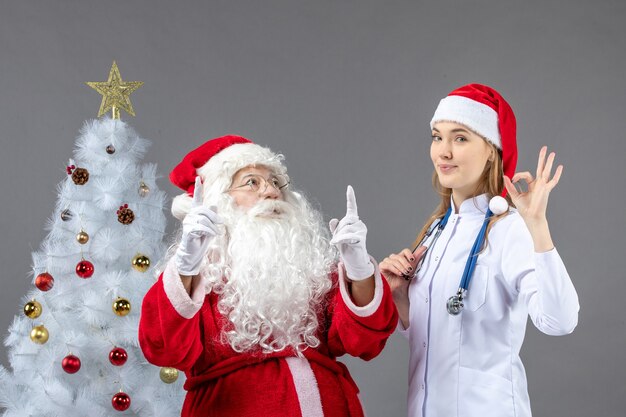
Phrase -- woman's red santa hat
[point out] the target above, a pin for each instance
(484, 111)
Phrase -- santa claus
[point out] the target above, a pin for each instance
(252, 304)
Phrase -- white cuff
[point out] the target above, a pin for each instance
(184, 304)
(370, 308)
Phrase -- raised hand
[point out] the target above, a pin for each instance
(349, 236)
(199, 226)
(533, 203)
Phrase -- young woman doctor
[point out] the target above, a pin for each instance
(479, 266)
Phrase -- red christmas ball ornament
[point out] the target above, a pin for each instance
(44, 281)
(118, 356)
(71, 364)
(84, 269)
(121, 401)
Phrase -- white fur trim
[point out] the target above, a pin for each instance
(369, 309)
(184, 304)
(241, 155)
(181, 205)
(479, 117)
(306, 387)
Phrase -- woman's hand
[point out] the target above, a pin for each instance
(532, 204)
(399, 268)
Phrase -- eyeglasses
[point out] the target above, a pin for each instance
(257, 183)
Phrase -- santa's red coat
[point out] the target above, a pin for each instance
(183, 332)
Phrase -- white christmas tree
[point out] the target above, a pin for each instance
(74, 350)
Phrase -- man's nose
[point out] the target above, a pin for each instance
(270, 192)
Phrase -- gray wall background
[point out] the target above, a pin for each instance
(345, 89)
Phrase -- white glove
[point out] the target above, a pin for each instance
(199, 226)
(349, 237)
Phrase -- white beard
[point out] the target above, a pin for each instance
(271, 272)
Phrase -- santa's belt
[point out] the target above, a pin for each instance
(237, 362)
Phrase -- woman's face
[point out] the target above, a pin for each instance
(459, 156)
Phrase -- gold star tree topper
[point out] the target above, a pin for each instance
(115, 93)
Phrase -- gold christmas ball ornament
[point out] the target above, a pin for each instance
(168, 375)
(82, 237)
(121, 307)
(141, 263)
(32, 309)
(143, 189)
(39, 334)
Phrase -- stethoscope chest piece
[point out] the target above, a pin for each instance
(455, 303)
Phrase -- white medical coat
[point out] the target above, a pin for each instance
(468, 365)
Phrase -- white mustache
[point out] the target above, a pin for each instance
(269, 208)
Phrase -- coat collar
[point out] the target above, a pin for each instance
(477, 205)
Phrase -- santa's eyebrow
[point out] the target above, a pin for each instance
(259, 175)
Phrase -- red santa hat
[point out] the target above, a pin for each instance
(483, 110)
(184, 174)
(486, 112)
(217, 161)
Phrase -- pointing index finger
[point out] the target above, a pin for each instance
(197, 193)
(351, 209)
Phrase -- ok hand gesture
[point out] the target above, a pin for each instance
(533, 203)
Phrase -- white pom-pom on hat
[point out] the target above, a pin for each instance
(498, 205)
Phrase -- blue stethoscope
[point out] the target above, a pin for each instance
(454, 304)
